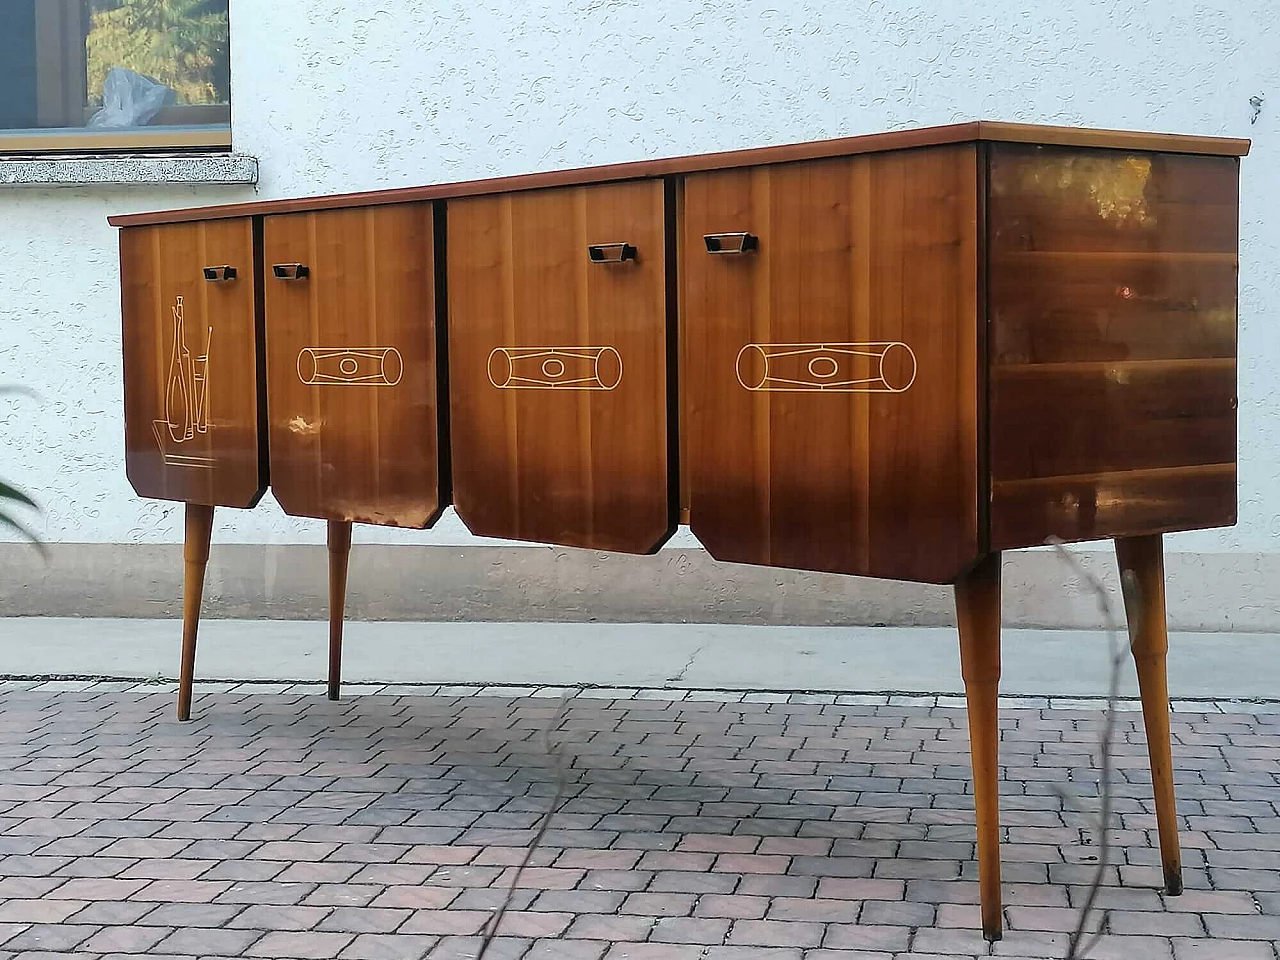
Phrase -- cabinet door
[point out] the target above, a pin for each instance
(191, 362)
(558, 366)
(831, 363)
(351, 364)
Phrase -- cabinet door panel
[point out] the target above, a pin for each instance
(558, 345)
(191, 363)
(831, 368)
(351, 364)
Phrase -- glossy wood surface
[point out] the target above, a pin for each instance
(191, 357)
(339, 544)
(978, 619)
(559, 367)
(971, 132)
(351, 365)
(195, 558)
(1112, 302)
(995, 131)
(1141, 561)
(819, 462)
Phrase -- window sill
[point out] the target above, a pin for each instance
(89, 171)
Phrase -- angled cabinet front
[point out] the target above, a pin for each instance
(351, 364)
(830, 363)
(191, 362)
(558, 366)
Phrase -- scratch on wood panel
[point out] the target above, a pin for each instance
(304, 428)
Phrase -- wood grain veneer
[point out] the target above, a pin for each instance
(191, 364)
(979, 131)
(352, 365)
(832, 376)
(559, 367)
(1112, 306)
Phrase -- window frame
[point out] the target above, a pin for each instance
(62, 95)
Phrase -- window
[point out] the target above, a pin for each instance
(112, 75)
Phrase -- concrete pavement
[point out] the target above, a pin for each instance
(1063, 663)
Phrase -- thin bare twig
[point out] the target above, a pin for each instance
(1082, 940)
(555, 750)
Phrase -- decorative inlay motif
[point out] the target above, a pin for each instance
(876, 367)
(186, 398)
(350, 366)
(555, 368)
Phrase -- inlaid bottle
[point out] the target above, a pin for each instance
(177, 401)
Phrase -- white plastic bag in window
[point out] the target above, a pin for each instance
(130, 100)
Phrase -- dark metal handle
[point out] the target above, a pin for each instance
(219, 274)
(731, 242)
(291, 271)
(611, 252)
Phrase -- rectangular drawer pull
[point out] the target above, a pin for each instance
(219, 274)
(611, 252)
(731, 242)
(291, 271)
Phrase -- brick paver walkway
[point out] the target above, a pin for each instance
(387, 827)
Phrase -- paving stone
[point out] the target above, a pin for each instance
(49, 937)
(446, 922)
(717, 827)
(38, 911)
(269, 917)
(611, 929)
(125, 939)
(307, 946)
(655, 951)
(776, 933)
(566, 950)
(468, 948)
(689, 930)
(382, 946)
(208, 942)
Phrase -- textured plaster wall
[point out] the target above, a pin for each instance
(340, 95)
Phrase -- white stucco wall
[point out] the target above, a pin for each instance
(342, 95)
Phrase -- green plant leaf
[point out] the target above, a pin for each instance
(13, 493)
(22, 531)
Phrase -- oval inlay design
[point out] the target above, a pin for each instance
(824, 368)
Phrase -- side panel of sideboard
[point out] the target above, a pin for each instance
(1112, 303)
(352, 364)
(831, 388)
(559, 343)
(193, 429)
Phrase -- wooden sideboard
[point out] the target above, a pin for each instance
(890, 356)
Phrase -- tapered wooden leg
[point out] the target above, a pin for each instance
(978, 615)
(1142, 558)
(195, 556)
(339, 552)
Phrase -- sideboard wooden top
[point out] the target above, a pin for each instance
(871, 143)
